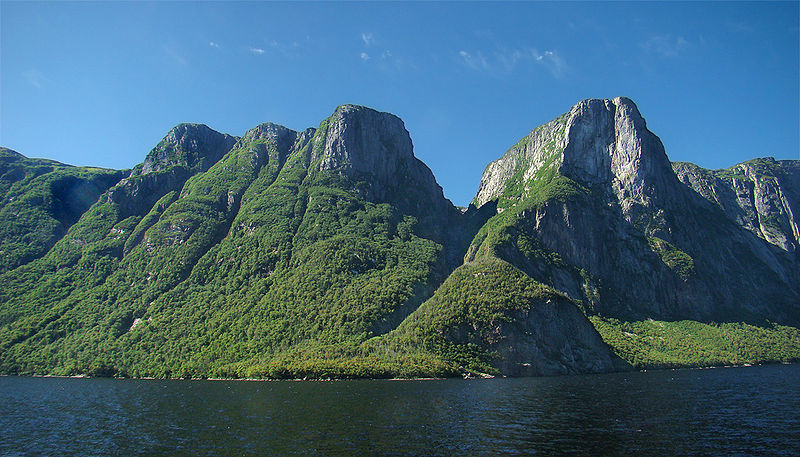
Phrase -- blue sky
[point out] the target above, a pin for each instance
(101, 83)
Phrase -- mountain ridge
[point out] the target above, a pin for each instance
(333, 250)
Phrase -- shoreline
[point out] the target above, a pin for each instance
(333, 379)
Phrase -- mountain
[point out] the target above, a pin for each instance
(332, 252)
(590, 204)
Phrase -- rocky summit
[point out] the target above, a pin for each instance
(595, 190)
(332, 252)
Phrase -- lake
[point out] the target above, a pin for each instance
(723, 411)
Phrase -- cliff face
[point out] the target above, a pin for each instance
(187, 149)
(194, 147)
(590, 205)
(762, 196)
(599, 142)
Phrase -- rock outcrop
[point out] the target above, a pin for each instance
(192, 146)
(761, 195)
(598, 142)
(374, 151)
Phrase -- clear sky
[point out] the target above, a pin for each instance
(100, 84)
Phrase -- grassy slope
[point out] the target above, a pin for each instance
(659, 344)
(460, 322)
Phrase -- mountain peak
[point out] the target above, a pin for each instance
(360, 140)
(194, 146)
(608, 142)
(599, 141)
(268, 130)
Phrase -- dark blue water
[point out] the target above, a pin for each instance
(726, 411)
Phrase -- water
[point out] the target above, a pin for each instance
(726, 411)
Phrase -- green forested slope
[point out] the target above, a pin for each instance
(490, 317)
(660, 344)
(39, 200)
(264, 253)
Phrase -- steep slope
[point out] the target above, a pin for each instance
(590, 205)
(490, 317)
(34, 294)
(39, 200)
(761, 195)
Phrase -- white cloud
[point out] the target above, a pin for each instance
(257, 51)
(665, 45)
(367, 38)
(504, 61)
(553, 62)
(287, 49)
(364, 56)
(213, 44)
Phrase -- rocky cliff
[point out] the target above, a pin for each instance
(591, 206)
(761, 195)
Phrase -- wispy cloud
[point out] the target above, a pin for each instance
(383, 59)
(35, 78)
(175, 54)
(552, 61)
(387, 61)
(665, 45)
(367, 38)
(504, 61)
(476, 61)
(213, 44)
(257, 51)
(290, 49)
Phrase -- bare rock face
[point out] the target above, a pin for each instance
(375, 149)
(362, 140)
(762, 196)
(554, 338)
(631, 240)
(597, 142)
(374, 152)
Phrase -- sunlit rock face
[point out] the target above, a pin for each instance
(634, 240)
